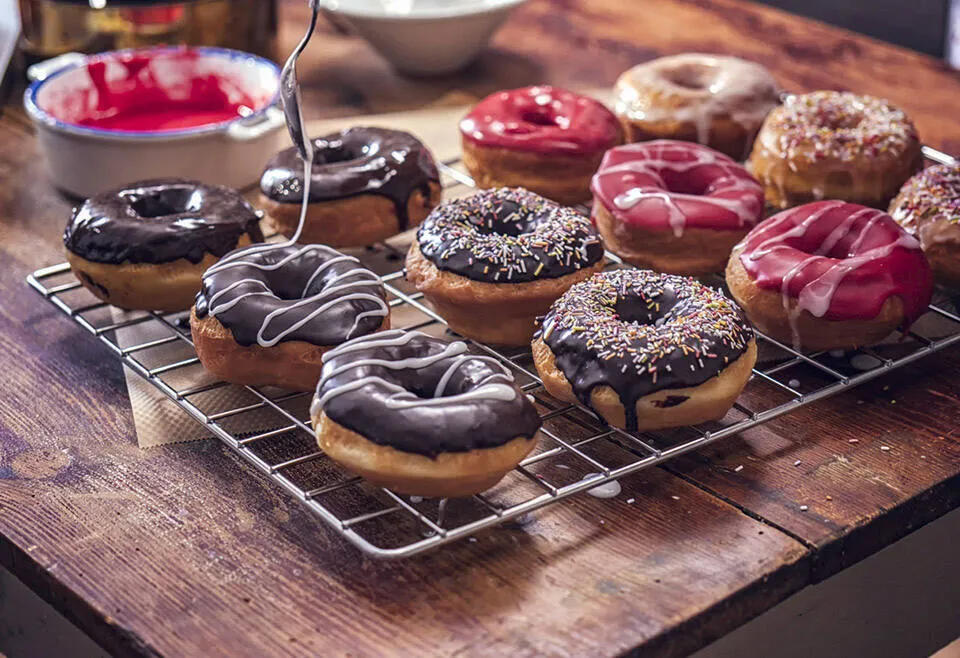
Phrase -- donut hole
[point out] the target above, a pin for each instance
(448, 377)
(539, 117)
(691, 76)
(694, 182)
(510, 218)
(336, 151)
(150, 203)
(636, 310)
(838, 118)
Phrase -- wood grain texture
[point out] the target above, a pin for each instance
(181, 551)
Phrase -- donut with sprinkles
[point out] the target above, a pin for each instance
(834, 145)
(492, 262)
(928, 207)
(646, 350)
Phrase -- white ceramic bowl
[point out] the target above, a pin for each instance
(424, 37)
(84, 161)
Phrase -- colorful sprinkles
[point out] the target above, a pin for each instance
(639, 331)
(836, 125)
(933, 194)
(508, 235)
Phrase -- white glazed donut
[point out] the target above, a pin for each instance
(714, 100)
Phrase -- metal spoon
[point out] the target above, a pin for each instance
(290, 91)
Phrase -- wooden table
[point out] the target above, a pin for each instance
(181, 551)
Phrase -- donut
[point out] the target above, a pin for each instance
(366, 185)
(491, 263)
(145, 246)
(928, 207)
(420, 415)
(546, 139)
(646, 350)
(830, 275)
(713, 100)
(673, 206)
(267, 314)
(834, 145)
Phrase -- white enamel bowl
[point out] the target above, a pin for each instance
(424, 37)
(84, 161)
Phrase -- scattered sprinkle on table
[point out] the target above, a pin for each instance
(630, 501)
(472, 540)
(829, 497)
(675, 497)
(797, 463)
(804, 508)
(885, 448)
(853, 441)
(738, 468)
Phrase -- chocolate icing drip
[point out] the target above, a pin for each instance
(389, 163)
(638, 332)
(508, 235)
(160, 221)
(268, 294)
(422, 394)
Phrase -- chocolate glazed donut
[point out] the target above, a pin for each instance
(421, 415)
(145, 246)
(491, 263)
(646, 350)
(267, 314)
(387, 178)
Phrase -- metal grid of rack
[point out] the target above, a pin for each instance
(270, 429)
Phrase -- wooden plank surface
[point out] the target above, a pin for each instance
(181, 551)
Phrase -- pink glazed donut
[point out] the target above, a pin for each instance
(674, 207)
(830, 275)
(545, 139)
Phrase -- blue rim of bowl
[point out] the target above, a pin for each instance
(41, 116)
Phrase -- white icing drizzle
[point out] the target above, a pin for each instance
(400, 398)
(242, 258)
(650, 161)
(362, 278)
(719, 87)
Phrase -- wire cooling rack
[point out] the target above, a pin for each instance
(270, 429)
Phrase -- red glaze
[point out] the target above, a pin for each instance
(142, 102)
(544, 120)
(840, 261)
(669, 185)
